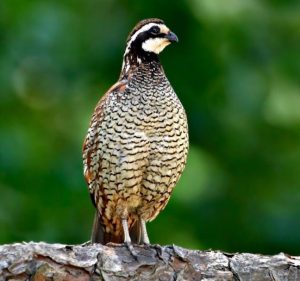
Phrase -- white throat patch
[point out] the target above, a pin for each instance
(155, 45)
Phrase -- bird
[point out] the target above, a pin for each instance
(137, 142)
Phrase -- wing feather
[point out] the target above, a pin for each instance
(92, 165)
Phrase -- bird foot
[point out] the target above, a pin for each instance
(132, 250)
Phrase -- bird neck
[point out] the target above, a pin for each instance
(133, 61)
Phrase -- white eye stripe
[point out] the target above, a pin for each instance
(141, 30)
(144, 28)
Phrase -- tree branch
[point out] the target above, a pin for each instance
(42, 261)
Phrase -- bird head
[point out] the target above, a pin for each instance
(149, 36)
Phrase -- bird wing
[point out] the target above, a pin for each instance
(92, 168)
(87, 148)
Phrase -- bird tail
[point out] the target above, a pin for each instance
(97, 230)
(99, 235)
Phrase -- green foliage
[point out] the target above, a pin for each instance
(236, 69)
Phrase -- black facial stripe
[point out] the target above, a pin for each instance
(137, 43)
(143, 37)
(160, 35)
(154, 30)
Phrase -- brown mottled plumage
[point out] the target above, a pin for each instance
(137, 142)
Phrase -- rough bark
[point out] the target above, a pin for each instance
(42, 261)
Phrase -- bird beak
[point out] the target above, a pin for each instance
(171, 36)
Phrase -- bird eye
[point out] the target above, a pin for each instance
(155, 30)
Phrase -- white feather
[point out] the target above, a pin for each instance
(155, 45)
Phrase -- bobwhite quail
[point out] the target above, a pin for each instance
(137, 143)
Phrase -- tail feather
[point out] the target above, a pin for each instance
(97, 230)
(99, 235)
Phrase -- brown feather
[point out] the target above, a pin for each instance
(135, 150)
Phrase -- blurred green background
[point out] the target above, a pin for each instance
(236, 70)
